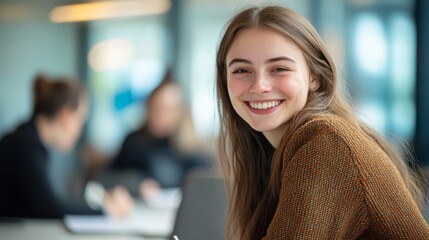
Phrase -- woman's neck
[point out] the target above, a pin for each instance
(275, 136)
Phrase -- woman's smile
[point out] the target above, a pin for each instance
(263, 106)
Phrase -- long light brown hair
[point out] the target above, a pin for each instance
(252, 168)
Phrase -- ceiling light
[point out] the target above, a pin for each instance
(108, 9)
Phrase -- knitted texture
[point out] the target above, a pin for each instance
(336, 184)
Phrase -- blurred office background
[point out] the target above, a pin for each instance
(122, 52)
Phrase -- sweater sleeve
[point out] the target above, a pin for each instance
(321, 196)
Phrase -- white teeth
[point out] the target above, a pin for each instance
(264, 105)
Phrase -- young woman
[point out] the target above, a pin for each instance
(298, 163)
(159, 150)
(59, 111)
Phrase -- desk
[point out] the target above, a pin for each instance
(35, 229)
(51, 230)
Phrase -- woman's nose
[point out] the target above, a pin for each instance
(261, 84)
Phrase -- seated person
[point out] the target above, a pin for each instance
(157, 155)
(59, 111)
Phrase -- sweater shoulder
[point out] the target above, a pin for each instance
(328, 123)
(22, 144)
(328, 126)
(328, 134)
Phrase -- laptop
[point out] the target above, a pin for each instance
(202, 212)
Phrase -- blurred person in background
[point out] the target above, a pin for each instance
(59, 112)
(163, 150)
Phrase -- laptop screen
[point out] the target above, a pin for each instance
(202, 212)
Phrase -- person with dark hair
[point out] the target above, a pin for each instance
(161, 152)
(298, 162)
(59, 111)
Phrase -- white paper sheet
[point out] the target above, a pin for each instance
(154, 219)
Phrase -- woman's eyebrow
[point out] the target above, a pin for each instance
(239, 60)
(282, 58)
(276, 59)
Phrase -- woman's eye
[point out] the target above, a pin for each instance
(240, 70)
(281, 69)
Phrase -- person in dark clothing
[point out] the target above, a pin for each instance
(162, 152)
(59, 111)
(158, 158)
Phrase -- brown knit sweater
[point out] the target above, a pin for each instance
(336, 184)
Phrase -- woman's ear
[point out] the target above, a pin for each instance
(314, 82)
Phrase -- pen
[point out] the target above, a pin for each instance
(175, 237)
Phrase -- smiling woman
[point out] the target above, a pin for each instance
(263, 81)
(298, 162)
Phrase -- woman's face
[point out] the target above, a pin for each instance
(165, 111)
(268, 80)
(72, 121)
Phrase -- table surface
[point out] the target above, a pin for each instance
(158, 221)
(55, 230)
